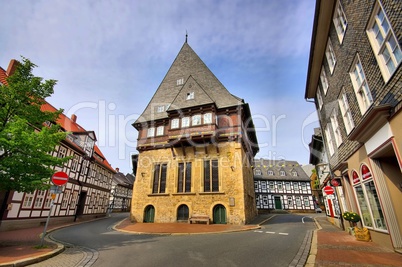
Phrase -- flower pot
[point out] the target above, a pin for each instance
(362, 234)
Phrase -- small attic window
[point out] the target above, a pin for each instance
(270, 172)
(160, 109)
(180, 81)
(294, 173)
(282, 173)
(190, 96)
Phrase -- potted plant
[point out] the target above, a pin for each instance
(353, 218)
(361, 234)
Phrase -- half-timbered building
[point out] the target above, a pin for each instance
(85, 195)
(282, 185)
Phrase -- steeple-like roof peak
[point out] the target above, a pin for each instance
(187, 64)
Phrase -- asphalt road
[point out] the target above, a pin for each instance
(275, 244)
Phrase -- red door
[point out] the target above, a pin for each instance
(331, 211)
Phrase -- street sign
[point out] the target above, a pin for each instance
(60, 178)
(328, 190)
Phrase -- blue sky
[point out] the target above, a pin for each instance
(109, 57)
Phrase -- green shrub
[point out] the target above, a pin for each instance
(351, 216)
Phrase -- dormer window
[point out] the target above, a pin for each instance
(282, 173)
(180, 81)
(294, 173)
(270, 172)
(160, 109)
(190, 96)
(257, 172)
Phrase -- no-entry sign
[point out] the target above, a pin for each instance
(328, 190)
(60, 178)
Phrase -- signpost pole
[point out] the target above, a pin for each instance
(47, 222)
(58, 179)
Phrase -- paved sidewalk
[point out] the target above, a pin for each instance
(330, 246)
(333, 247)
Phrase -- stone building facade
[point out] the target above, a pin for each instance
(354, 77)
(196, 143)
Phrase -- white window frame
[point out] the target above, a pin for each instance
(180, 81)
(360, 86)
(160, 109)
(190, 96)
(324, 81)
(40, 196)
(386, 48)
(270, 172)
(151, 132)
(294, 173)
(346, 113)
(207, 118)
(366, 201)
(160, 130)
(28, 200)
(282, 173)
(340, 21)
(62, 152)
(175, 123)
(329, 140)
(330, 55)
(185, 122)
(288, 186)
(336, 128)
(257, 172)
(306, 201)
(74, 162)
(319, 99)
(196, 120)
(280, 186)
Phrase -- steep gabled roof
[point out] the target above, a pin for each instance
(191, 86)
(280, 165)
(186, 64)
(3, 76)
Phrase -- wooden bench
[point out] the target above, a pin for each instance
(199, 218)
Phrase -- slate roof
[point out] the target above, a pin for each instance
(276, 166)
(124, 180)
(197, 78)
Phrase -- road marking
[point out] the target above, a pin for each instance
(256, 231)
(283, 233)
(270, 232)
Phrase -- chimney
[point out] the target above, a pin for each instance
(74, 118)
(11, 67)
(117, 169)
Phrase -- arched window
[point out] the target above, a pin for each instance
(369, 203)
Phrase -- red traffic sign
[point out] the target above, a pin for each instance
(60, 178)
(328, 190)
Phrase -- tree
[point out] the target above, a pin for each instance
(26, 143)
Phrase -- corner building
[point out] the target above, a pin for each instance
(196, 144)
(354, 77)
